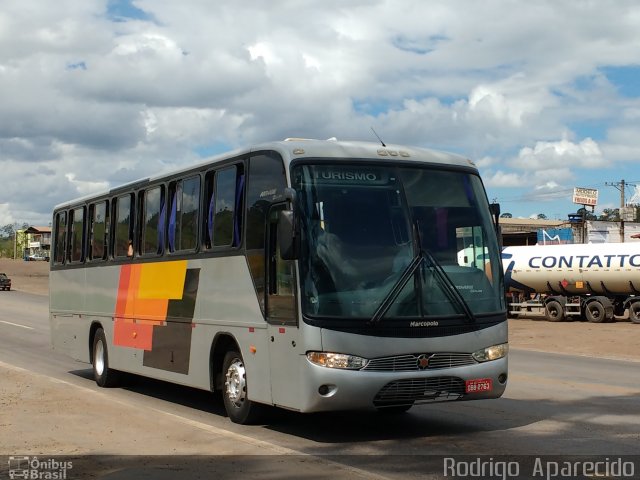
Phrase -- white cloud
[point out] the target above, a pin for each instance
(5, 214)
(89, 102)
(503, 179)
(549, 155)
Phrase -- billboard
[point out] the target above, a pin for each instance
(585, 196)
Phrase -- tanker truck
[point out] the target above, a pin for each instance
(594, 281)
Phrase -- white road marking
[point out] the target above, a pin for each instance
(17, 325)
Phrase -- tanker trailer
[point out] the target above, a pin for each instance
(597, 281)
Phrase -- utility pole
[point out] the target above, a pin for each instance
(620, 186)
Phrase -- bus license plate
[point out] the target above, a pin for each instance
(478, 385)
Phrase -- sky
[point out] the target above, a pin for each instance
(544, 95)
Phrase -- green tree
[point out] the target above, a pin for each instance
(586, 214)
(610, 215)
(7, 231)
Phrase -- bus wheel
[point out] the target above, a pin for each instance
(553, 311)
(595, 312)
(103, 374)
(234, 395)
(634, 312)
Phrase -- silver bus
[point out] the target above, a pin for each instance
(303, 274)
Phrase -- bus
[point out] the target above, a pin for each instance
(311, 275)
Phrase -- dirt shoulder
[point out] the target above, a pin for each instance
(30, 277)
(617, 340)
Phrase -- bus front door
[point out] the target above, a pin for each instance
(282, 324)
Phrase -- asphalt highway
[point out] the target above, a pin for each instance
(555, 404)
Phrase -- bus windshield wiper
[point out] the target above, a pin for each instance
(397, 288)
(408, 272)
(447, 285)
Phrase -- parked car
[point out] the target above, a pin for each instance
(38, 256)
(5, 282)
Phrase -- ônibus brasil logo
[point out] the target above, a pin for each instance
(34, 468)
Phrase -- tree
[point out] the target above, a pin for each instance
(506, 215)
(7, 231)
(541, 216)
(586, 214)
(610, 215)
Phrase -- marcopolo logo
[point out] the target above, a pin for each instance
(38, 469)
(432, 323)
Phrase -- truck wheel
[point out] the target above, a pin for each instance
(103, 374)
(634, 312)
(594, 312)
(234, 394)
(553, 311)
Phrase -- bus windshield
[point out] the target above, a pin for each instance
(396, 242)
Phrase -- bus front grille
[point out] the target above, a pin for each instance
(419, 390)
(408, 363)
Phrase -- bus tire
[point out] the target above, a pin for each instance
(234, 391)
(104, 375)
(634, 312)
(595, 312)
(553, 311)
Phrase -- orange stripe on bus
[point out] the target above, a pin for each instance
(143, 300)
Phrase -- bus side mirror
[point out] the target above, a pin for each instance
(287, 235)
(495, 211)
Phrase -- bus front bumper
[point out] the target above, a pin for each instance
(329, 389)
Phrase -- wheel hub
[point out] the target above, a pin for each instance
(98, 361)
(235, 383)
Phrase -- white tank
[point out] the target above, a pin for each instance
(602, 268)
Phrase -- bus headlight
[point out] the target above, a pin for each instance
(491, 353)
(337, 360)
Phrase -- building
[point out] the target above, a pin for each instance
(528, 231)
(33, 243)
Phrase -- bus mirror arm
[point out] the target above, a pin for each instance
(494, 208)
(287, 238)
(290, 195)
(495, 213)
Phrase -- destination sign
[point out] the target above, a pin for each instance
(356, 176)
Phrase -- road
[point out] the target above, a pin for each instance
(554, 404)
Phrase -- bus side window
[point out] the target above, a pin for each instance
(266, 181)
(223, 207)
(60, 237)
(209, 208)
(175, 194)
(190, 214)
(98, 230)
(184, 212)
(223, 215)
(76, 235)
(154, 214)
(123, 227)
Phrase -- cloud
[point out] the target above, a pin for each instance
(503, 179)
(548, 156)
(95, 96)
(5, 214)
